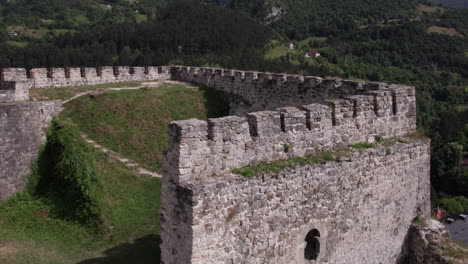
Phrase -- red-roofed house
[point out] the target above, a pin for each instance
(438, 214)
(312, 54)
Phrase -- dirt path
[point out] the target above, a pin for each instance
(116, 156)
(143, 85)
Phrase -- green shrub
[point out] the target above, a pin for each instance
(362, 145)
(453, 205)
(463, 201)
(65, 173)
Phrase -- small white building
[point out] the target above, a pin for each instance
(12, 34)
(289, 46)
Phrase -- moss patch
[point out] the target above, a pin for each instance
(277, 166)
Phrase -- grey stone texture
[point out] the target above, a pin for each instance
(60, 77)
(425, 242)
(23, 127)
(204, 148)
(258, 91)
(14, 91)
(362, 207)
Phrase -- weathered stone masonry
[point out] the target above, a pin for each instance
(23, 126)
(60, 77)
(355, 211)
(362, 208)
(258, 91)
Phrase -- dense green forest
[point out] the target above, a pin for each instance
(412, 42)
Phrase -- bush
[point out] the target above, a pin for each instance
(454, 205)
(65, 173)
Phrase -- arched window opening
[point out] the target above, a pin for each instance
(312, 248)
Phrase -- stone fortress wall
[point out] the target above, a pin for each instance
(231, 142)
(359, 209)
(23, 123)
(15, 82)
(23, 127)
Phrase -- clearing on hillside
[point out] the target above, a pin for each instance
(446, 31)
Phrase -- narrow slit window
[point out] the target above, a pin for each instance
(312, 248)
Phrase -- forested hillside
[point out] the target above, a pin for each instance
(402, 41)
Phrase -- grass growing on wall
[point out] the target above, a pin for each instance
(279, 165)
(134, 122)
(32, 230)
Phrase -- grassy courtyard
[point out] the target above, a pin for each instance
(133, 123)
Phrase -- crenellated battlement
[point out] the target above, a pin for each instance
(210, 215)
(369, 199)
(299, 115)
(60, 77)
(259, 91)
(198, 149)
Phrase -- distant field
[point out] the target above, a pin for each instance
(276, 52)
(47, 21)
(36, 33)
(28, 32)
(141, 18)
(81, 19)
(446, 31)
(16, 43)
(429, 9)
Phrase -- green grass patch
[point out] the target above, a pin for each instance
(31, 233)
(134, 122)
(276, 52)
(47, 21)
(81, 20)
(141, 18)
(279, 165)
(363, 145)
(64, 93)
(21, 44)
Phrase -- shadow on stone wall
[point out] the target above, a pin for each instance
(216, 102)
(144, 250)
